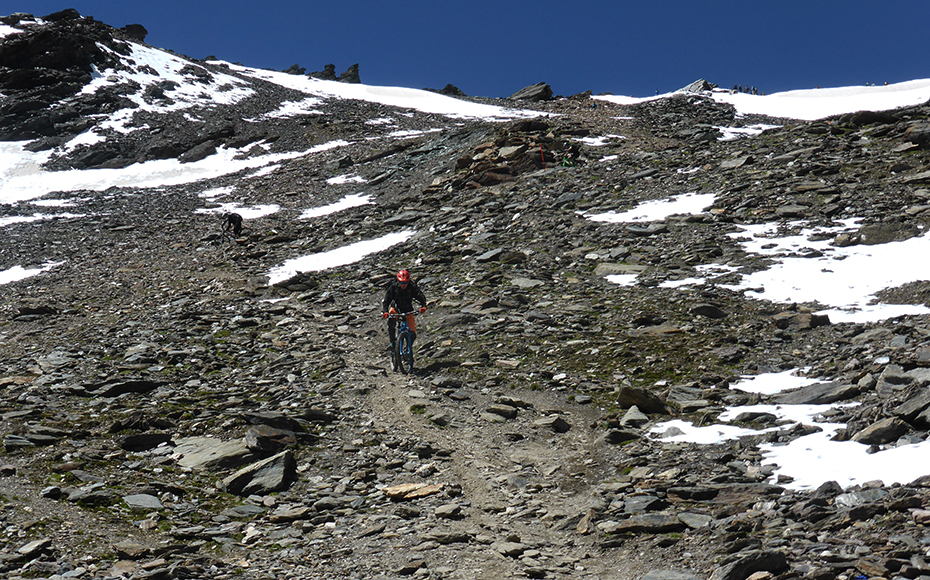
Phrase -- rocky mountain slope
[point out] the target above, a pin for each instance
(169, 413)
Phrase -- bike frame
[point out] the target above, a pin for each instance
(403, 328)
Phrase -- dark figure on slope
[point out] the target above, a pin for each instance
(398, 299)
(232, 222)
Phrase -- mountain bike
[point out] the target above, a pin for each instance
(402, 353)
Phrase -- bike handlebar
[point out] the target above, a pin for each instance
(401, 314)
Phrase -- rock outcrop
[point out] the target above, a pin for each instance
(537, 92)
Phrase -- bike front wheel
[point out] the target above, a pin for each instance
(395, 358)
(404, 353)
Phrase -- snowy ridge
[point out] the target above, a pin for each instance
(419, 100)
(811, 104)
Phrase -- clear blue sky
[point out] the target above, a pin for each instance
(494, 48)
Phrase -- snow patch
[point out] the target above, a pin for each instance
(657, 210)
(343, 179)
(247, 212)
(23, 178)
(17, 273)
(334, 258)
(347, 202)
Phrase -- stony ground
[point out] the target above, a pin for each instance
(168, 414)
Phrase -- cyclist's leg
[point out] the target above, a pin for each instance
(392, 329)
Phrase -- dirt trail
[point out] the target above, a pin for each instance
(517, 479)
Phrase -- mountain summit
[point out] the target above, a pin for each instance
(676, 337)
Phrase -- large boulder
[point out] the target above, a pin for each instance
(452, 91)
(264, 477)
(881, 432)
(327, 74)
(645, 401)
(537, 92)
(135, 31)
(295, 69)
(914, 405)
(211, 453)
(818, 394)
(351, 75)
(742, 565)
(698, 86)
(918, 134)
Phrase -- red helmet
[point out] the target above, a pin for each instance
(403, 276)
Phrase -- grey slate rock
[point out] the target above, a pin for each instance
(709, 311)
(243, 511)
(211, 453)
(695, 521)
(618, 436)
(818, 394)
(113, 389)
(747, 563)
(51, 492)
(851, 500)
(645, 523)
(698, 86)
(351, 75)
(143, 441)
(923, 419)
(884, 431)
(35, 547)
(610, 268)
(327, 74)
(636, 504)
(506, 411)
(696, 493)
(634, 418)
(11, 442)
(143, 501)
(272, 419)
(827, 490)
(670, 575)
(912, 407)
(491, 255)
(510, 549)
(647, 230)
(736, 162)
(537, 92)
(646, 401)
(264, 440)
(264, 477)
(553, 423)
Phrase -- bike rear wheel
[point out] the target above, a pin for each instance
(404, 353)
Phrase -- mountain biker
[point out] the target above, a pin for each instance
(399, 297)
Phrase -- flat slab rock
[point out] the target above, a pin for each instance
(670, 575)
(268, 475)
(645, 523)
(208, 453)
(818, 394)
(143, 501)
(409, 491)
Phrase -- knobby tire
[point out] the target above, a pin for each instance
(395, 357)
(405, 353)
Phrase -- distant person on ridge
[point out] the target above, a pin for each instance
(398, 299)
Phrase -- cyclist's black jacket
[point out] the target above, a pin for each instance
(402, 299)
